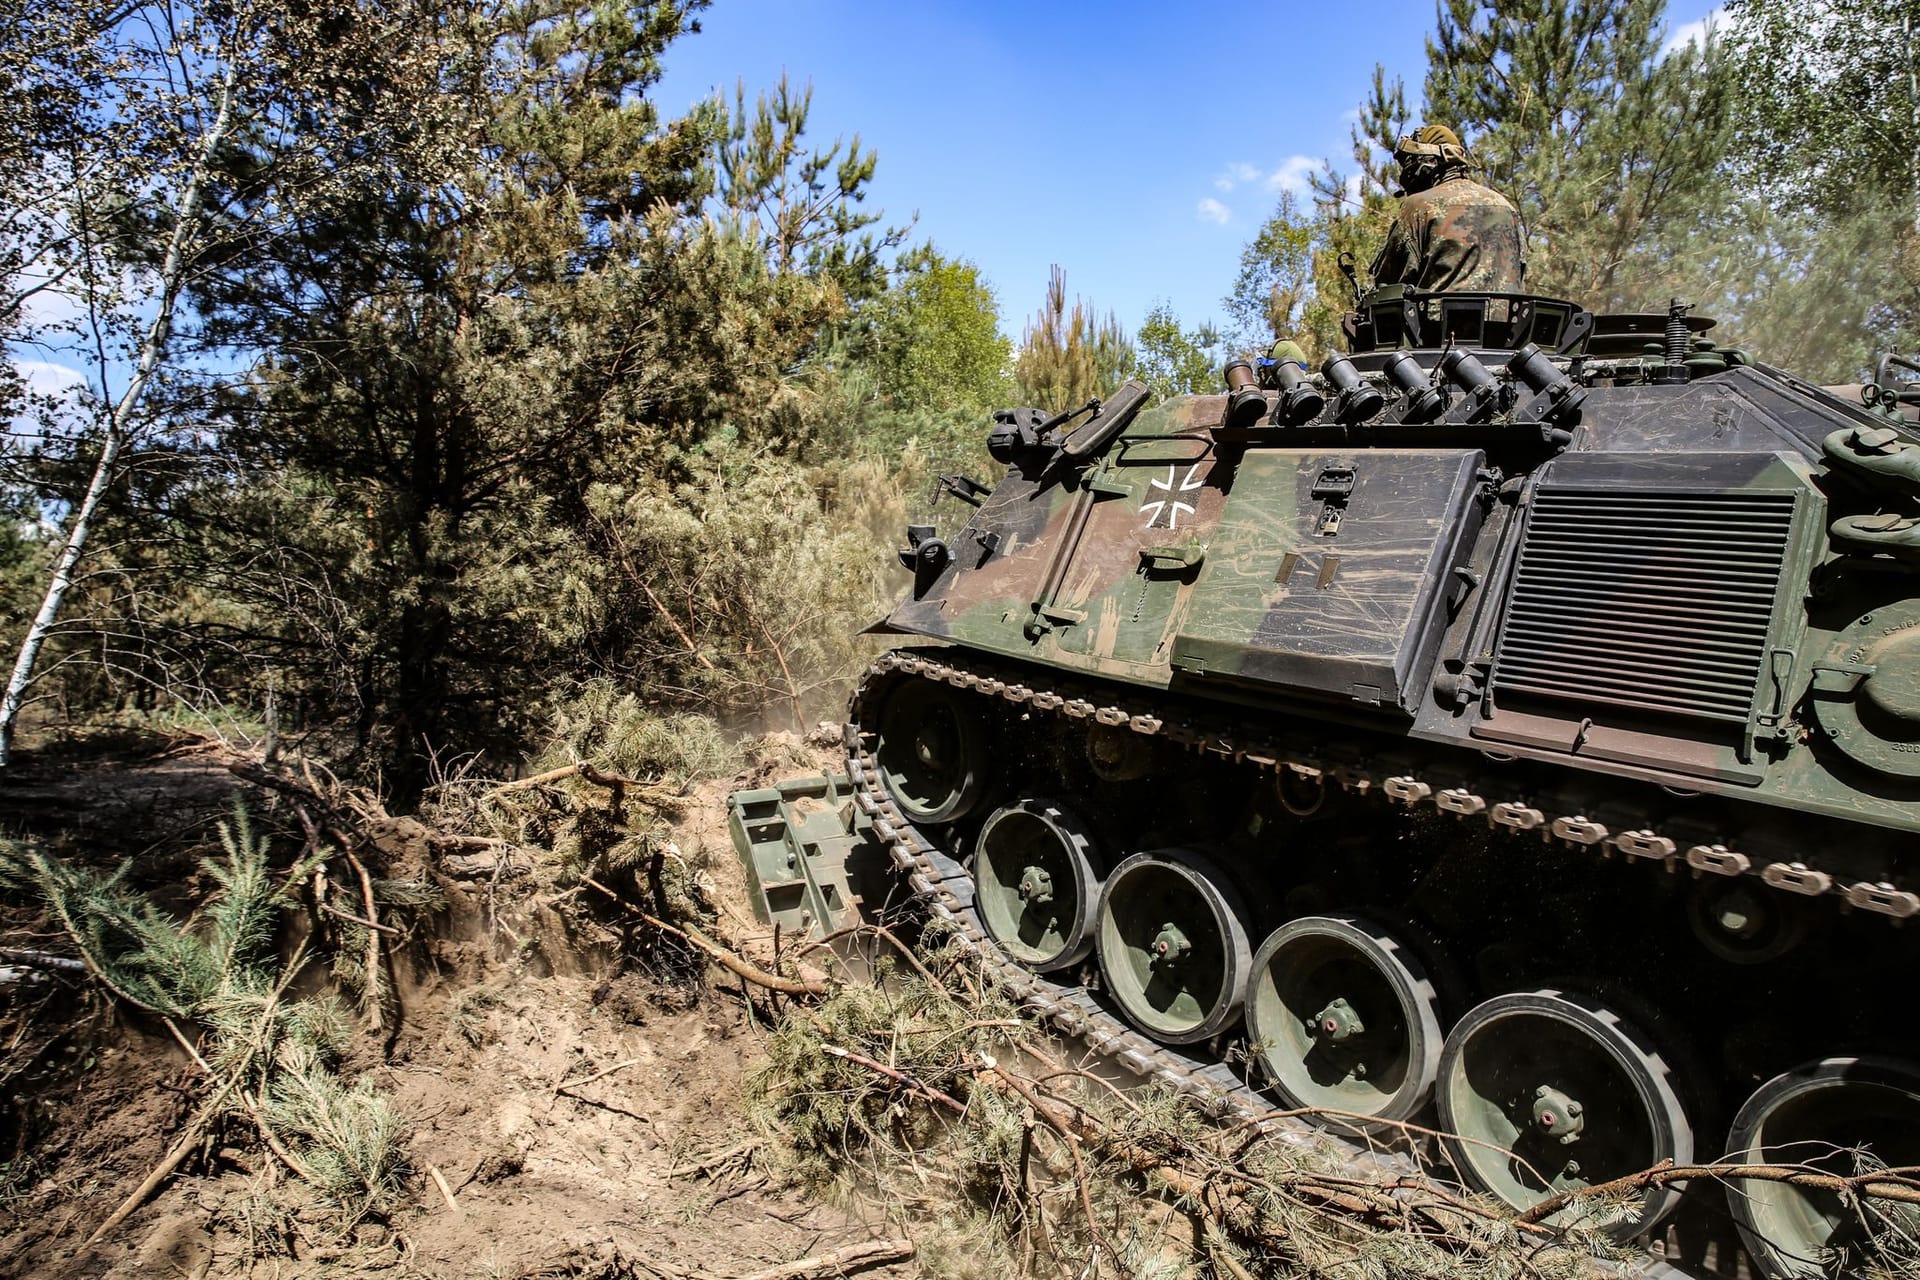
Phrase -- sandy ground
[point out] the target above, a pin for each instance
(652, 1169)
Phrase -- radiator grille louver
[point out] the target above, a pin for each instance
(1656, 601)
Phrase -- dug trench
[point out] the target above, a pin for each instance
(567, 1082)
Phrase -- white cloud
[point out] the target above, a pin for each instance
(1211, 210)
(1293, 175)
(1694, 33)
(1234, 175)
(48, 379)
(43, 378)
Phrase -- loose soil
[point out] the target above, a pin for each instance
(652, 1169)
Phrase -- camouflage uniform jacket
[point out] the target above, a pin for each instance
(1456, 234)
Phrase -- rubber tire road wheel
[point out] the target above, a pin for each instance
(1038, 835)
(1188, 999)
(1303, 966)
(1817, 1114)
(1503, 1049)
(931, 751)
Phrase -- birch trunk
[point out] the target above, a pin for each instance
(173, 267)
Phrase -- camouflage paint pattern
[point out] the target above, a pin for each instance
(1342, 584)
(1455, 235)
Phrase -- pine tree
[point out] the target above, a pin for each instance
(803, 205)
(1069, 357)
(1828, 116)
(163, 146)
(1613, 152)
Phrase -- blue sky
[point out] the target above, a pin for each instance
(1138, 146)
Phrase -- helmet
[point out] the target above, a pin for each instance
(1428, 155)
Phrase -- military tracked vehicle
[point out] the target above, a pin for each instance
(1511, 725)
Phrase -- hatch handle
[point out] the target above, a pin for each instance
(1168, 559)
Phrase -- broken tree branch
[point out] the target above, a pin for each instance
(854, 1257)
(376, 1017)
(649, 793)
(721, 955)
(568, 1085)
(1897, 1185)
(209, 1110)
(43, 960)
(920, 1087)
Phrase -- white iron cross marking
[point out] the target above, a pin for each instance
(1173, 506)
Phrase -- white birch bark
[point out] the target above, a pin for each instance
(119, 427)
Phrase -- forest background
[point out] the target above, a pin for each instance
(444, 393)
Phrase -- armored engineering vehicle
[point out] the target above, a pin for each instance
(1510, 724)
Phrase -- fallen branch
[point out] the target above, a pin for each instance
(920, 1087)
(190, 1137)
(446, 1192)
(375, 967)
(721, 955)
(879, 931)
(856, 1257)
(351, 918)
(716, 1160)
(598, 1075)
(42, 960)
(649, 792)
(260, 776)
(1898, 1185)
(248, 1103)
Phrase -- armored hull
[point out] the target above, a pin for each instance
(1512, 729)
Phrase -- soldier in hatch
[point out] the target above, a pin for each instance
(1451, 233)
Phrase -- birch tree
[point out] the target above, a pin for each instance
(169, 143)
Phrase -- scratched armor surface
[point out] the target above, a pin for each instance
(1455, 235)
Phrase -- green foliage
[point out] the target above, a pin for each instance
(614, 730)
(1612, 152)
(1069, 357)
(1011, 1186)
(588, 337)
(803, 205)
(1828, 138)
(1175, 361)
(537, 382)
(144, 955)
(1275, 280)
(217, 969)
(933, 339)
(831, 1112)
(747, 582)
(348, 1136)
(1290, 284)
(1714, 171)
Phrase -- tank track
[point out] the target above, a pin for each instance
(945, 888)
